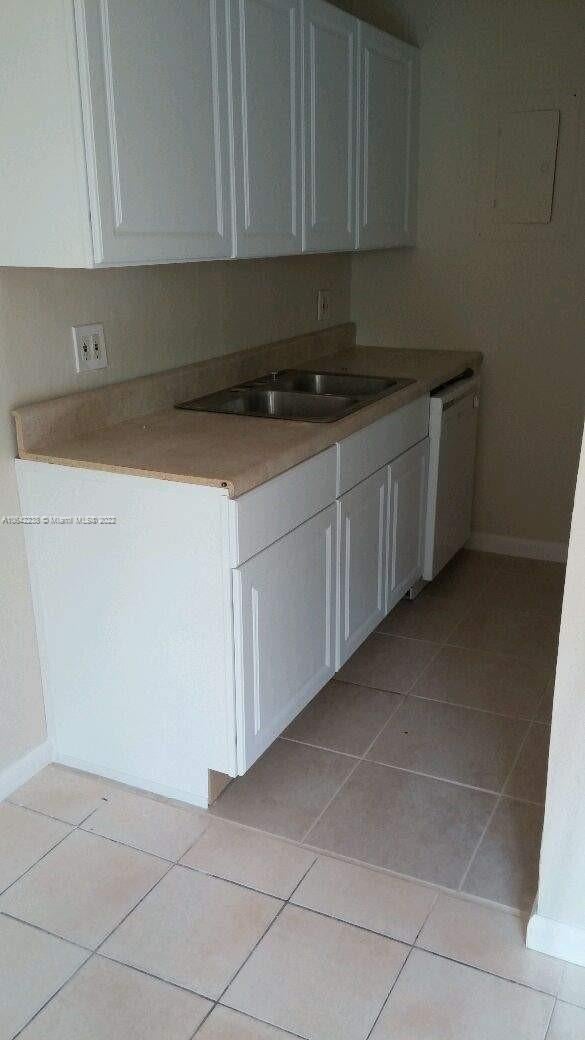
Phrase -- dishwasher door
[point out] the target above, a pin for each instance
(452, 437)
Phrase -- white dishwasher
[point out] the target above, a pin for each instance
(452, 438)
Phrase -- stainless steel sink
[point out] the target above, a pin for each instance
(275, 404)
(304, 381)
(299, 394)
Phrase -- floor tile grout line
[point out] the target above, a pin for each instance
(46, 815)
(352, 924)
(265, 932)
(242, 884)
(486, 971)
(469, 897)
(414, 772)
(516, 717)
(393, 711)
(251, 1018)
(20, 877)
(51, 998)
(495, 809)
(128, 845)
(427, 915)
(73, 827)
(478, 846)
(151, 975)
(319, 747)
(134, 907)
(45, 931)
(480, 711)
(320, 815)
(389, 994)
(77, 945)
(394, 635)
(288, 903)
(209, 1012)
(554, 1007)
(351, 772)
(446, 780)
(285, 903)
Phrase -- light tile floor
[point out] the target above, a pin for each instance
(427, 755)
(124, 916)
(231, 934)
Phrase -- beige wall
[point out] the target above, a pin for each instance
(154, 318)
(560, 926)
(521, 302)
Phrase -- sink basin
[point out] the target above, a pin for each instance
(299, 394)
(300, 380)
(275, 404)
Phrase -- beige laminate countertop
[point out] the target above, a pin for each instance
(240, 452)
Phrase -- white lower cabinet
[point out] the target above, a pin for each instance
(407, 489)
(361, 562)
(210, 680)
(284, 627)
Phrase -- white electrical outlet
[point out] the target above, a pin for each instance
(323, 305)
(89, 347)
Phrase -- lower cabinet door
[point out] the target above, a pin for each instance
(407, 492)
(284, 620)
(362, 553)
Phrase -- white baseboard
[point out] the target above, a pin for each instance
(530, 548)
(17, 773)
(200, 799)
(556, 939)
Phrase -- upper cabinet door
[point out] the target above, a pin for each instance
(266, 57)
(387, 140)
(155, 101)
(330, 88)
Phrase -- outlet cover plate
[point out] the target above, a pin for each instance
(89, 347)
(323, 305)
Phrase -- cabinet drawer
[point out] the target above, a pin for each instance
(261, 516)
(369, 449)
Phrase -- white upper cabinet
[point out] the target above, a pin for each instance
(329, 109)
(153, 131)
(387, 139)
(155, 105)
(266, 83)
